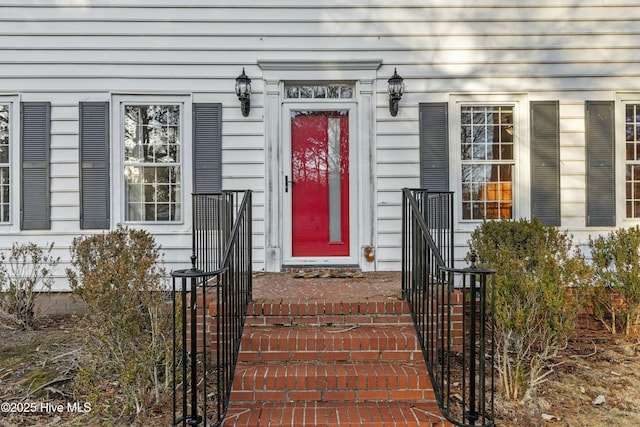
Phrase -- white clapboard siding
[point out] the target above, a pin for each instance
(66, 52)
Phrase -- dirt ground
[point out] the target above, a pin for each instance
(596, 382)
(37, 371)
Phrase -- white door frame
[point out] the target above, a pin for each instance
(287, 108)
(362, 147)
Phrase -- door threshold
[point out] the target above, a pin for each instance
(315, 267)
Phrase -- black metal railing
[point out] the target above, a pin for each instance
(451, 309)
(210, 305)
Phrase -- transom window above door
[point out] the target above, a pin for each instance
(319, 90)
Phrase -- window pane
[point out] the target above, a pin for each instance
(306, 92)
(334, 175)
(4, 194)
(630, 133)
(5, 188)
(466, 192)
(152, 162)
(292, 91)
(487, 152)
(478, 211)
(4, 134)
(319, 91)
(346, 92)
(507, 152)
(333, 91)
(632, 158)
(479, 115)
(466, 210)
(629, 113)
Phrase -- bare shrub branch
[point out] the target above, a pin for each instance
(25, 273)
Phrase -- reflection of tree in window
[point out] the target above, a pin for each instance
(487, 162)
(152, 162)
(311, 162)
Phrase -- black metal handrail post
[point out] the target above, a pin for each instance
(450, 308)
(477, 371)
(222, 236)
(190, 280)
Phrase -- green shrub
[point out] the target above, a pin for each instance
(119, 278)
(616, 261)
(25, 273)
(534, 312)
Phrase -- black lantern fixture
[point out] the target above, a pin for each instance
(243, 90)
(396, 89)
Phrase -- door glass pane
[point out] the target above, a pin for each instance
(333, 131)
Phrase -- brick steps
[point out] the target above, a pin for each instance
(328, 363)
(326, 313)
(366, 342)
(332, 381)
(334, 414)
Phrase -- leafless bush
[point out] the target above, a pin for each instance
(25, 273)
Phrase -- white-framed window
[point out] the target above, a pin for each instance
(9, 162)
(5, 163)
(486, 152)
(150, 159)
(318, 90)
(632, 160)
(152, 164)
(491, 151)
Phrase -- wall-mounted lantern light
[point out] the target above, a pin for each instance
(396, 89)
(243, 90)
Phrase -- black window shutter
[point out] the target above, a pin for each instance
(35, 128)
(94, 165)
(600, 141)
(545, 161)
(434, 146)
(207, 147)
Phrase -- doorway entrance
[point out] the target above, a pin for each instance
(318, 181)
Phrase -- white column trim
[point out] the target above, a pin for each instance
(273, 154)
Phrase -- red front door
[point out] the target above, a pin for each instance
(320, 183)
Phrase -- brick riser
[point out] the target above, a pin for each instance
(327, 363)
(332, 382)
(355, 343)
(335, 414)
(327, 313)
